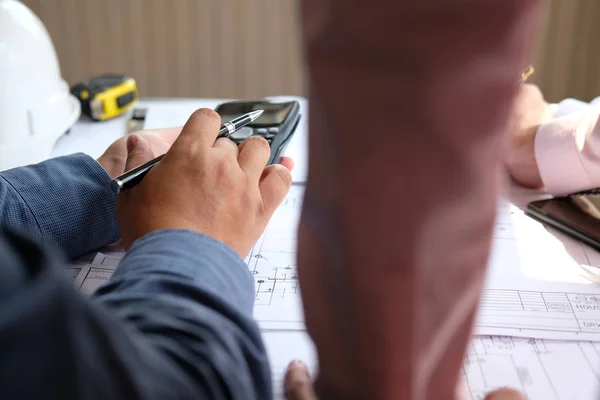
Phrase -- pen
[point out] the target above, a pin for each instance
(134, 176)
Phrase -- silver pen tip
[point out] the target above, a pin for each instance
(255, 114)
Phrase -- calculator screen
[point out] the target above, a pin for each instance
(274, 113)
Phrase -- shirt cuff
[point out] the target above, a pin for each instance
(212, 265)
(71, 201)
(557, 147)
(568, 106)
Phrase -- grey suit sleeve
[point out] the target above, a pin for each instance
(65, 201)
(174, 322)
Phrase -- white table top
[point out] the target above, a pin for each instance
(93, 138)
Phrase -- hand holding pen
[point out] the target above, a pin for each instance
(205, 184)
(134, 176)
(530, 110)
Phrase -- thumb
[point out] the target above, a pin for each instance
(274, 186)
(138, 152)
(505, 394)
(297, 382)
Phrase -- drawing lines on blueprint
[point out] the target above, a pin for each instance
(534, 366)
(275, 273)
(572, 312)
(541, 369)
(73, 269)
(92, 276)
(272, 262)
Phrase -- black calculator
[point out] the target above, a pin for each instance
(277, 123)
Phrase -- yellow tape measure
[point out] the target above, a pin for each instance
(107, 96)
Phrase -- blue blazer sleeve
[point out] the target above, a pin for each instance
(174, 322)
(65, 201)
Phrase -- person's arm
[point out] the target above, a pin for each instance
(567, 152)
(554, 147)
(175, 322)
(409, 103)
(65, 201)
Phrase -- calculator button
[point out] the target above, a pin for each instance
(261, 131)
(241, 134)
(273, 131)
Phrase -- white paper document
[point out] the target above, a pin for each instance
(92, 276)
(284, 347)
(73, 269)
(537, 286)
(272, 263)
(541, 369)
(539, 282)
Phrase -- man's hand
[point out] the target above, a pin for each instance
(159, 141)
(298, 386)
(530, 111)
(211, 187)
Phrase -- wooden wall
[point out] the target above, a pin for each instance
(250, 48)
(180, 48)
(567, 57)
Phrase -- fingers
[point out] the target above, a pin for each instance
(274, 186)
(138, 152)
(199, 131)
(254, 154)
(505, 394)
(164, 135)
(297, 383)
(530, 96)
(533, 89)
(287, 162)
(227, 147)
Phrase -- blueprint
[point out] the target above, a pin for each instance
(540, 283)
(541, 369)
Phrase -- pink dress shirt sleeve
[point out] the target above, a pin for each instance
(567, 151)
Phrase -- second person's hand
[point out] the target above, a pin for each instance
(211, 187)
(530, 110)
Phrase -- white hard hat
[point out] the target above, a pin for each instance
(36, 107)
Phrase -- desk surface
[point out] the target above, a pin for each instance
(93, 138)
(490, 361)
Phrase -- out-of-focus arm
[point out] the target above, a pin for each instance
(174, 322)
(65, 201)
(567, 152)
(409, 103)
